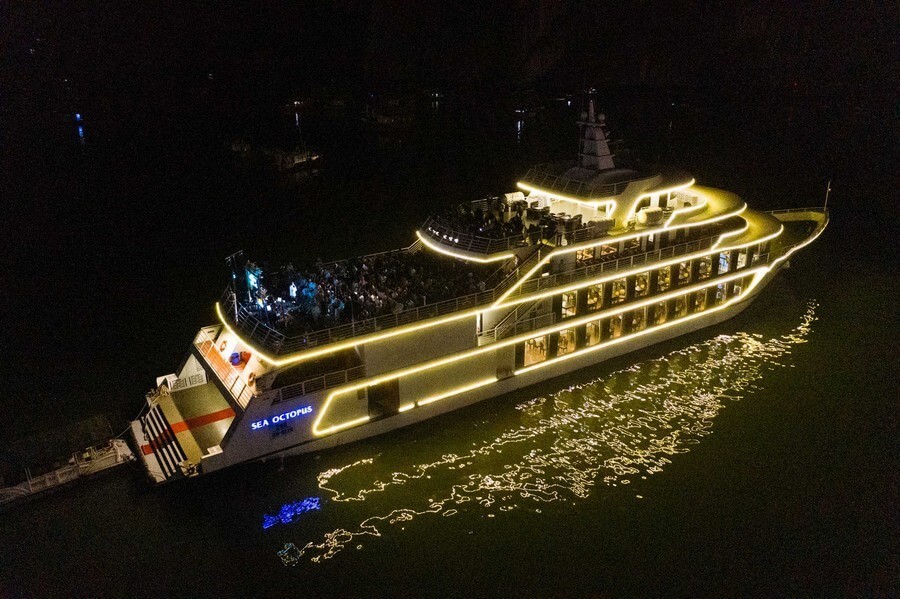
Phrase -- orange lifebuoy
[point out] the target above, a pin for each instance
(251, 378)
(223, 345)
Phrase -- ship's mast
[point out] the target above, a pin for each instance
(594, 152)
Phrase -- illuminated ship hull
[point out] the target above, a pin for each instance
(661, 257)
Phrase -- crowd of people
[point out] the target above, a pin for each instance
(327, 295)
(483, 223)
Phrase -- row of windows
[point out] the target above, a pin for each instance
(544, 347)
(656, 280)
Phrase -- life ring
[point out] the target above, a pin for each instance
(223, 345)
(251, 378)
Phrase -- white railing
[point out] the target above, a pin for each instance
(227, 374)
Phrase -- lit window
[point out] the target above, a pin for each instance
(535, 350)
(660, 312)
(566, 343)
(741, 259)
(583, 256)
(615, 326)
(592, 333)
(594, 297)
(664, 278)
(720, 293)
(680, 306)
(568, 304)
(642, 284)
(684, 272)
(608, 251)
(724, 262)
(638, 320)
(700, 301)
(704, 268)
(619, 291)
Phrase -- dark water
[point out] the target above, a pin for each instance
(756, 457)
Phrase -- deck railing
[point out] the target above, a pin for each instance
(446, 235)
(625, 263)
(278, 343)
(227, 374)
(325, 381)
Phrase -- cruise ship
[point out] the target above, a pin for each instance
(586, 260)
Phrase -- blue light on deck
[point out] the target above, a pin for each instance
(291, 511)
(80, 132)
(77, 117)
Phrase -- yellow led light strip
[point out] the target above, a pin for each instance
(304, 355)
(456, 391)
(757, 276)
(333, 347)
(551, 194)
(511, 341)
(441, 250)
(620, 274)
(659, 192)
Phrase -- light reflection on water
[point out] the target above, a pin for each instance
(610, 431)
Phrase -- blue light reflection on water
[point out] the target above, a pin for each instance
(609, 432)
(289, 512)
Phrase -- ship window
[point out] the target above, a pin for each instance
(566, 344)
(704, 268)
(660, 312)
(568, 304)
(608, 252)
(584, 256)
(535, 350)
(680, 306)
(638, 320)
(741, 259)
(615, 326)
(684, 272)
(720, 293)
(642, 284)
(619, 290)
(594, 297)
(724, 262)
(592, 333)
(700, 301)
(632, 246)
(664, 278)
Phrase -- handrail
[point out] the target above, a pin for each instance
(445, 234)
(627, 262)
(325, 381)
(279, 344)
(229, 377)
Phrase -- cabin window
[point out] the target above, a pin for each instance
(584, 256)
(720, 293)
(704, 268)
(608, 251)
(633, 246)
(594, 297)
(535, 350)
(664, 278)
(566, 343)
(684, 273)
(592, 333)
(680, 306)
(724, 262)
(568, 304)
(700, 301)
(741, 259)
(638, 320)
(642, 284)
(619, 291)
(660, 312)
(615, 326)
